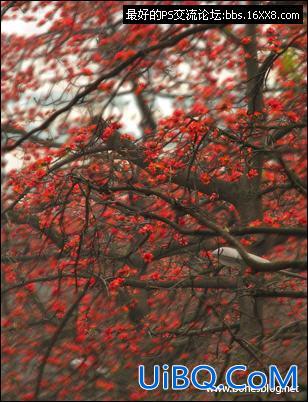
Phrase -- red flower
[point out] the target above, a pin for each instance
(86, 71)
(68, 21)
(146, 229)
(205, 178)
(225, 348)
(124, 54)
(252, 173)
(214, 196)
(116, 283)
(155, 276)
(148, 257)
(246, 40)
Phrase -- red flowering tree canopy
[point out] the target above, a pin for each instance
(130, 153)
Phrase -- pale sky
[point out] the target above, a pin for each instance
(126, 103)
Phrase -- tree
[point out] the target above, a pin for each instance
(108, 232)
